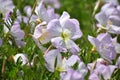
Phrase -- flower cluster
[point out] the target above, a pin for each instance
(39, 38)
(105, 43)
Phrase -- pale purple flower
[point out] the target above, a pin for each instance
(43, 13)
(104, 46)
(18, 35)
(64, 30)
(28, 11)
(71, 75)
(62, 64)
(50, 59)
(94, 76)
(68, 63)
(109, 18)
(100, 68)
(6, 6)
(41, 35)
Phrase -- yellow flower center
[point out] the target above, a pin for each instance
(66, 34)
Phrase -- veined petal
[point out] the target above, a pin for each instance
(82, 68)
(54, 27)
(72, 60)
(73, 26)
(104, 38)
(38, 44)
(108, 72)
(17, 32)
(51, 14)
(64, 17)
(78, 32)
(94, 76)
(41, 11)
(101, 18)
(74, 49)
(115, 20)
(38, 31)
(95, 42)
(50, 58)
(107, 51)
(59, 44)
(113, 29)
(45, 37)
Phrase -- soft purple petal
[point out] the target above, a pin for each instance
(54, 28)
(115, 19)
(72, 60)
(82, 68)
(73, 26)
(113, 29)
(20, 43)
(59, 43)
(51, 14)
(78, 32)
(50, 58)
(17, 32)
(28, 10)
(41, 11)
(94, 76)
(101, 18)
(95, 42)
(38, 44)
(74, 49)
(64, 17)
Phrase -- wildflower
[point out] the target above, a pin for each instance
(50, 59)
(64, 31)
(104, 46)
(18, 35)
(6, 6)
(43, 13)
(109, 18)
(71, 74)
(101, 68)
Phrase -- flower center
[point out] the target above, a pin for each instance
(66, 34)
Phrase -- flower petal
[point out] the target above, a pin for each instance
(64, 17)
(74, 49)
(59, 44)
(54, 27)
(50, 58)
(41, 11)
(101, 18)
